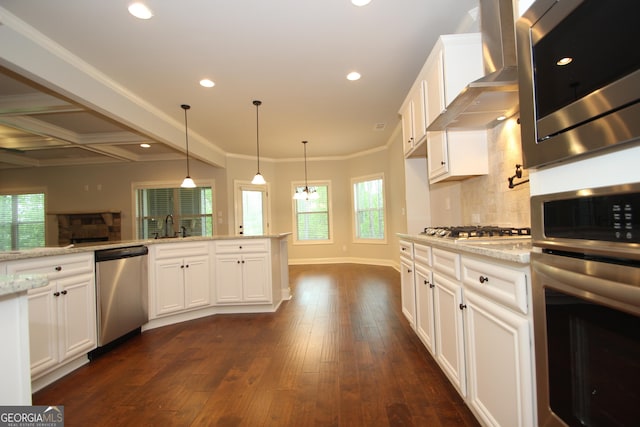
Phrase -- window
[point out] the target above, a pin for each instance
(368, 205)
(191, 208)
(22, 221)
(312, 217)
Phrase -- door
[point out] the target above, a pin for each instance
(169, 286)
(196, 281)
(43, 328)
(252, 209)
(76, 315)
(449, 330)
(256, 278)
(424, 307)
(407, 287)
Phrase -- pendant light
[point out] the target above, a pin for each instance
(258, 179)
(188, 182)
(306, 193)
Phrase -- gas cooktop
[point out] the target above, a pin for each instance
(477, 232)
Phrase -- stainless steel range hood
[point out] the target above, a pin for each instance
(496, 94)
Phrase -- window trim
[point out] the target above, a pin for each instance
(294, 216)
(354, 235)
(142, 185)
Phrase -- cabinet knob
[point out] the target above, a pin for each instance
(182, 266)
(240, 247)
(243, 261)
(63, 292)
(462, 306)
(238, 261)
(58, 268)
(442, 163)
(408, 270)
(186, 266)
(483, 279)
(56, 294)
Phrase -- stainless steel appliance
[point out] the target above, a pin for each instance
(121, 290)
(579, 77)
(586, 306)
(477, 232)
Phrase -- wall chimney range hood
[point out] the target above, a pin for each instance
(480, 104)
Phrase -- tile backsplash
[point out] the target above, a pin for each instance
(487, 199)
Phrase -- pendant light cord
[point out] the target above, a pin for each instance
(306, 185)
(185, 107)
(257, 104)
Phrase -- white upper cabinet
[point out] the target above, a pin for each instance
(454, 62)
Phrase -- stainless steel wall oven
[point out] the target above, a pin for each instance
(579, 77)
(586, 304)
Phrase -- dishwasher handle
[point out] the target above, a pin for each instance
(119, 253)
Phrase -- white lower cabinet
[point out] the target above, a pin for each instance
(449, 329)
(498, 343)
(425, 319)
(62, 315)
(243, 271)
(472, 313)
(181, 275)
(499, 367)
(408, 291)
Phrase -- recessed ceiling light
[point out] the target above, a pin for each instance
(564, 61)
(207, 83)
(354, 75)
(140, 11)
(360, 2)
(501, 118)
(145, 145)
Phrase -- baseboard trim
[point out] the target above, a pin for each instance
(344, 260)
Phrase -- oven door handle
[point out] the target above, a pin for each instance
(617, 286)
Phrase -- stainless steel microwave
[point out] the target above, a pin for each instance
(579, 77)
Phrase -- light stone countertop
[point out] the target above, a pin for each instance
(15, 284)
(517, 249)
(95, 246)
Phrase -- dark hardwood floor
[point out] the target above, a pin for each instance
(340, 353)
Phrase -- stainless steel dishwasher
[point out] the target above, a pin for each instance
(121, 292)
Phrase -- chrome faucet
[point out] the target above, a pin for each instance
(166, 225)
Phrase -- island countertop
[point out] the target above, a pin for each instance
(95, 246)
(15, 284)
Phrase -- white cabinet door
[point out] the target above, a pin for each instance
(437, 155)
(449, 330)
(196, 281)
(408, 290)
(256, 278)
(434, 75)
(169, 282)
(76, 315)
(425, 327)
(418, 97)
(43, 328)
(407, 127)
(499, 363)
(228, 278)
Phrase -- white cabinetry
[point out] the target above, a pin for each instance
(498, 343)
(407, 282)
(414, 117)
(425, 326)
(243, 271)
(62, 315)
(181, 277)
(456, 155)
(454, 62)
(448, 305)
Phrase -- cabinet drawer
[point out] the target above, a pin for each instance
(446, 262)
(422, 254)
(242, 246)
(54, 266)
(180, 250)
(504, 285)
(406, 249)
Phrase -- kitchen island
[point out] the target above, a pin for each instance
(188, 278)
(14, 335)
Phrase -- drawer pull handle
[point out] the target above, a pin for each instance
(483, 279)
(63, 292)
(56, 294)
(58, 268)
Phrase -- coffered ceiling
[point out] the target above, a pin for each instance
(82, 81)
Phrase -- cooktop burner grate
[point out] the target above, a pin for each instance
(479, 231)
